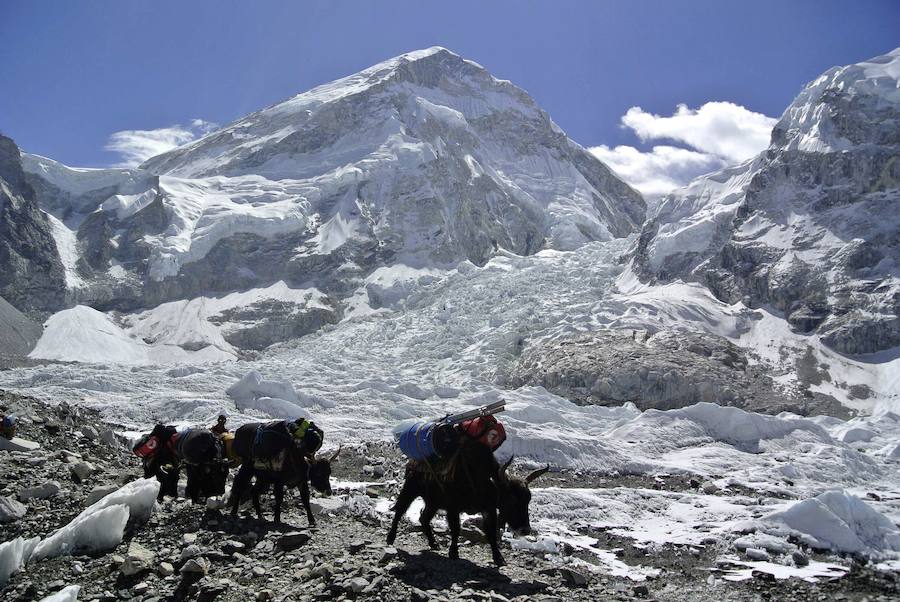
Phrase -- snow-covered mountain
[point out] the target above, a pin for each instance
(810, 226)
(425, 159)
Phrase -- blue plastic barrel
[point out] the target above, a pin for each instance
(417, 440)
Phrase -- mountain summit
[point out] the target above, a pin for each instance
(425, 159)
(810, 226)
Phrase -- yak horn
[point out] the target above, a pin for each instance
(508, 462)
(536, 474)
(336, 454)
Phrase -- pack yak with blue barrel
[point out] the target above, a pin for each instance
(452, 467)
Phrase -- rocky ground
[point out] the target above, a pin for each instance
(190, 552)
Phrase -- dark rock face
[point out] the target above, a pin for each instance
(271, 322)
(31, 273)
(662, 371)
(18, 334)
(809, 227)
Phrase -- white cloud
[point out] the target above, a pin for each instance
(718, 134)
(659, 171)
(724, 129)
(136, 146)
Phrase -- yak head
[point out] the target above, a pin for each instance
(515, 496)
(320, 472)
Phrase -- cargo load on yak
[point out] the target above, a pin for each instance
(436, 439)
(273, 438)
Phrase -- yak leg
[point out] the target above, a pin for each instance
(304, 496)
(404, 501)
(241, 481)
(170, 482)
(191, 491)
(492, 533)
(259, 486)
(279, 497)
(453, 523)
(428, 513)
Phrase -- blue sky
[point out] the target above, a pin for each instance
(75, 73)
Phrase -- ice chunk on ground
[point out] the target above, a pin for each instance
(66, 594)
(253, 387)
(101, 525)
(840, 522)
(96, 531)
(13, 556)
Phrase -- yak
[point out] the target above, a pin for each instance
(290, 465)
(164, 451)
(472, 481)
(158, 459)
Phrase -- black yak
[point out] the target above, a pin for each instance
(164, 451)
(472, 481)
(274, 457)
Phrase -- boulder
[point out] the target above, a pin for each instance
(292, 541)
(81, 471)
(196, 565)
(89, 432)
(18, 444)
(98, 493)
(138, 559)
(11, 509)
(40, 492)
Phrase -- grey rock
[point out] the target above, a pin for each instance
(356, 546)
(191, 551)
(196, 565)
(573, 578)
(799, 558)
(17, 444)
(90, 433)
(756, 554)
(98, 493)
(165, 569)
(40, 492)
(141, 588)
(357, 584)
(292, 541)
(231, 546)
(138, 559)
(81, 471)
(108, 437)
(11, 509)
(388, 553)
